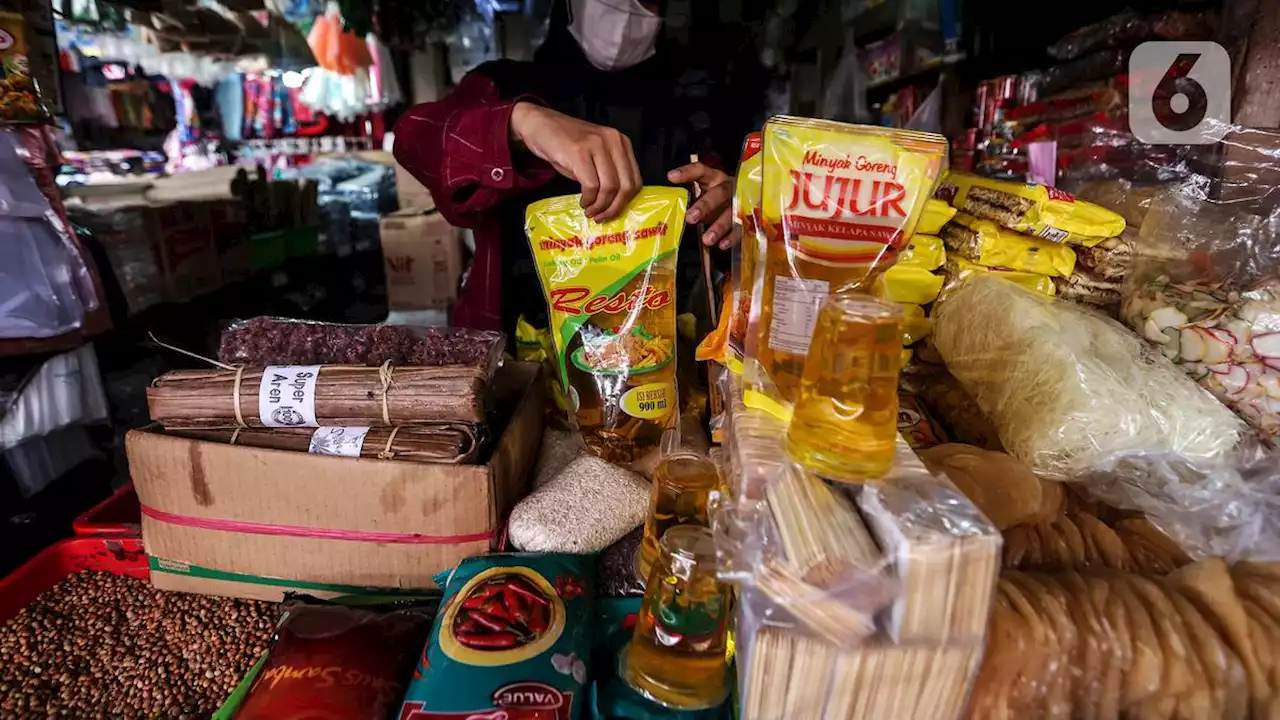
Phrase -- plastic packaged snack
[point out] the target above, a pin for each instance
(1032, 209)
(585, 508)
(513, 639)
(912, 285)
(987, 243)
(748, 251)
(838, 203)
(611, 298)
(915, 324)
(926, 252)
(959, 270)
(1068, 389)
(1216, 313)
(333, 660)
(936, 214)
(1085, 287)
(1111, 259)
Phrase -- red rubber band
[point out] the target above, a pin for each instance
(296, 531)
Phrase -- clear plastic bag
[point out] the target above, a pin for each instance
(38, 293)
(1205, 290)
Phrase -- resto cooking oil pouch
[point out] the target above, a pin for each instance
(987, 243)
(611, 291)
(838, 203)
(1033, 209)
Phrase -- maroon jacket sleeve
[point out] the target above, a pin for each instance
(459, 148)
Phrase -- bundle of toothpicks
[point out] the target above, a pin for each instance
(855, 601)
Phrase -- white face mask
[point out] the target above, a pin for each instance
(614, 34)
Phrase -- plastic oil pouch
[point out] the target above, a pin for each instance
(987, 243)
(1032, 209)
(611, 293)
(959, 270)
(838, 204)
(746, 254)
(912, 285)
(926, 252)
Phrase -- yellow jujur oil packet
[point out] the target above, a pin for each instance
(987, 243)
(1033, 209)
(747, 253)
(838, 203)
(611, 291)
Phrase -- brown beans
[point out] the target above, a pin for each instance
(102, 645)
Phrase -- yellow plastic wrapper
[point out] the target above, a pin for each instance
(1032, 209)
(838, 204)
(987, 243)
(611, 294)
(535, 345)
(959, 270)
(936, 214)
(912, 285)
(747, 253)
(915, 324)
(529, 341)
(926, 252)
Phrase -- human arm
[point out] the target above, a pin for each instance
(460, 148)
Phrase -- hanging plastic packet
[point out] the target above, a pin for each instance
(1038, 210)
(936, 214)
(986, 243)
(959, 270)
(926, 252)
(611, 293)
(911, 285)
(747, 253)
(838, 203)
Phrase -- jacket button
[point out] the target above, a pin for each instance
(497, 174)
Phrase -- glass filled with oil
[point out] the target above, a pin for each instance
(845, 423)
(679, 655)
(683, 485)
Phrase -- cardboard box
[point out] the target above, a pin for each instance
(423, 256)
(184, 246)
(245, 522)
(229, 224)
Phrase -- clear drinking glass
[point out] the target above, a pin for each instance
(679, 654)
(845, 421)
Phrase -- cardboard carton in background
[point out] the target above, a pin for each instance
(213, 512)
(184, 245)
(423, 257)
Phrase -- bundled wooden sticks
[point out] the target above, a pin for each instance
(344, 395)
(791, 676)
(447, 443)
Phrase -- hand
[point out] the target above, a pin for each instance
(715, 205)
(600, 159)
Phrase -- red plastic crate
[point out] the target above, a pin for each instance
(120, 514)
(119, 556)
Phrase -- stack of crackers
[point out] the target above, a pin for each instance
(1198, 643)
